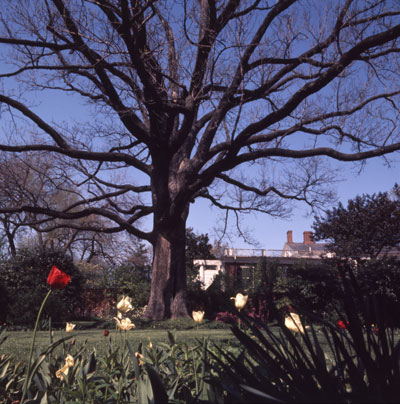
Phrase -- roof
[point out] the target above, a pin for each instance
(320, 247)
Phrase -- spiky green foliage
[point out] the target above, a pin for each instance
(183, 369)
(357, 364)
(164, 372)
(10, 374)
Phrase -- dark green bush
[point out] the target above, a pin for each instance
(198, 299)
(217, 297)
(312, 288)
(379, 284)
(3, 303)
(24, 279)
(129, 280)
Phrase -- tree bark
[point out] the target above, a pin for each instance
(168, 282)
(10, 238)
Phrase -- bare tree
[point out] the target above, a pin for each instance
(34, 181)
(233, 101)
(22, 183)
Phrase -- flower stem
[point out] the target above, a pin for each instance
(26, 384)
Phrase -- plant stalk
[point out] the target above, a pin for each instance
(26, 386)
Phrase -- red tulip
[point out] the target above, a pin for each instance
(58, 279)
(106, 332)
(341, 324)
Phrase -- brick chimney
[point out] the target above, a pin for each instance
(308, 237)
(289, 236)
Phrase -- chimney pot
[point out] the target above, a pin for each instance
(308, 237)
(289, 236)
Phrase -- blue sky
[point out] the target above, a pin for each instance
(271, 232)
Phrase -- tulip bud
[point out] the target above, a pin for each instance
(124, 305)
(293, 323)
(69, 327)
(240, 301)
(139, 357)
(124, 324)
(198, 316)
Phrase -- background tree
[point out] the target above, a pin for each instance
(20, 184)
(232, 101)
(24, 276)
(197, 247)
(131, 277)
(34, 180)
(367, 227)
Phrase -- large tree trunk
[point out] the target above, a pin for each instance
(168, 282)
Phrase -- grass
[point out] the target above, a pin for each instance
(185, 330)
(18, 342)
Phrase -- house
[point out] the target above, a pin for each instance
(240, 263)
(208, 270)
(306, 249)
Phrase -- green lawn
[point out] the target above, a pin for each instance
(18, 342)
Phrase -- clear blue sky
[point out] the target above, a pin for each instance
(271, 232)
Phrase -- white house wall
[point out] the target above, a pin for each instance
(208, 270)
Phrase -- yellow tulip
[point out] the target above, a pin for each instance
(69, 362)
(293, 323)
(139, 357)
(69, 327)
(124, 324)
(198, 316)
(240, 301)
(125, 304)
(62, 372)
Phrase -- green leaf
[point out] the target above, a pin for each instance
(160, 395)
(90, 366)
(5, 366)
(171, 338)
(133, 360)
(142, 391)
(260, 393)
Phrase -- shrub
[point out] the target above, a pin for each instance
(352, 363)
(379, 280)
(226, 317)
(24, 279)
(198, 299)
(314, 288)
(218, 295)
(258, 283)
(129, 280)
(3, 302)
(96, 303)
